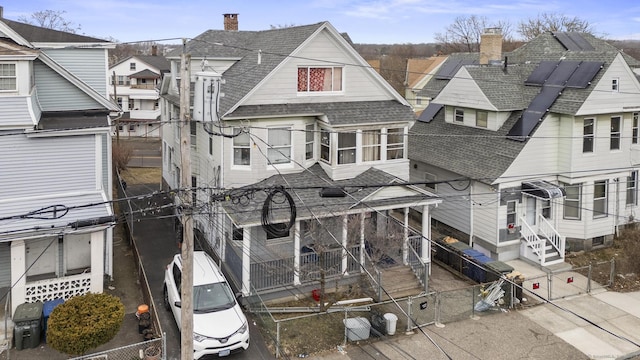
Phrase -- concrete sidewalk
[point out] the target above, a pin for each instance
(599, 325)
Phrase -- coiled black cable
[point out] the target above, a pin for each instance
(278, 229)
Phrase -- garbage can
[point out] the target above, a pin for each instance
(47, 308)
(391, 320)
(357, 328)
(28, 323)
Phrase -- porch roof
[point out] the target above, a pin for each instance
(542, 189)
(51, 214)
(360, 193)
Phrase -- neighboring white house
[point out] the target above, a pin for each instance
(56, 215)
(137, 79)
(535, 153)
(419, 72)
(293, 109)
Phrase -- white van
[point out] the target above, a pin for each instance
(219, 325)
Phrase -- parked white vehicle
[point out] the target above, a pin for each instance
(219, 325)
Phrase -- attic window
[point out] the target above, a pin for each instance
(615, 84)
(8, 77)
(132, 66)
(319, 79)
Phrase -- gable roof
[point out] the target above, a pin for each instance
(418, 68)
(156, 61)
(38, 34)
(145, 74)
(309, 204)
(256, 54)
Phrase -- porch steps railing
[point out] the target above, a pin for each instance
(546, 244)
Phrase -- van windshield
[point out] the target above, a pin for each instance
(212, 297)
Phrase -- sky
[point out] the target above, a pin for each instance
(366, 21)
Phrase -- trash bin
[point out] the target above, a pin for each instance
(456, 254)
(47, 308)
(378, 324)
(357, 328)
(391, 320)
(28, 324)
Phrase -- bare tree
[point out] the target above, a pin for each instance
(463, 35)
(51, 19)
(545, 22)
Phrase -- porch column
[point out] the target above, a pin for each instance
(296, 253)
(426, 236)
(246, 261)
(97, 261)
(18, 273)
(362, 239)
(345, 220)
(405, 242)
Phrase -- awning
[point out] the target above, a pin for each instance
(542, 189)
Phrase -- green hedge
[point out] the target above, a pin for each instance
(84, 322)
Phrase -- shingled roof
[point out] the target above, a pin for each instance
(33, 34)
(307, 200)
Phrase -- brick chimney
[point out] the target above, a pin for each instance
(231, 22)
(154, 50)
(490, 45)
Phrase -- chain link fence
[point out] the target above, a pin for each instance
(147, 350)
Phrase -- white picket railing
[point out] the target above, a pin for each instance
(557, 240)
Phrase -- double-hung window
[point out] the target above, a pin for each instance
(310, 136)
(511, 213)
(371, 145)
(279, 151)
(395, 144)
(319, 79)
(458, 115)
(632, 188)
(600, 198)
(325, 146)
(481, 118)
(572, 201)
(615, 84)
(614, 143)
(346, 148)
(634, 129)
(8, 80)
(241, 148)
(588, 133)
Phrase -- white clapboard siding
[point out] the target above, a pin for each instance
(358, 81)
(463, 93)
(87, 64)
(14, 112)
(40, 166)
(57, 94)
(485, 215)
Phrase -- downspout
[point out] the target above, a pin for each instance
(470, 215)
(616, 221)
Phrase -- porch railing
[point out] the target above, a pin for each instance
(557, 240)
(272, 273)
(533, 240)
(374, 276)
(63, 287)
(419, 267)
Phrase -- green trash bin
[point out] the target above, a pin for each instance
(28, 325)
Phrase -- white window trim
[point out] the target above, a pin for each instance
(605, 199)
(395, 146)
(615, 84)
(455, 116)
(233, 148)
(613, 135)
(592, 135)
(632, 179)
(578, 201)
(634, 128)
(332, 140)
(322, 93)
(291, 163)
(310, 128)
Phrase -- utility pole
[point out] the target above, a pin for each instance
(186, 311)
(115, 98)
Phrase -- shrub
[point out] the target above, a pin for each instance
(84, 322)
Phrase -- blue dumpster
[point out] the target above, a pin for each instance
(47, 308)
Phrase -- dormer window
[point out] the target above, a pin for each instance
(8, 77)
(325, 146)
(319, 79)
(481, 118)
(371, 145)
(279, 151)
(459, 116)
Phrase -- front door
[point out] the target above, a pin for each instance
(530, 210)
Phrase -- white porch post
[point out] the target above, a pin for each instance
(405, 242)
(97, 261)
(296, 254)
(345, 220)
(18, 275)
(246, 261)
(362, 239)
(426, 236)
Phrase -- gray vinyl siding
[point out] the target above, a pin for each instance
(105, 162)
(14, 111)
(56, 165)
(57, 94)
(87, 64)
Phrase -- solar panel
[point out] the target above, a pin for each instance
(562, 73)
(580, 41)
(566, 41)
(541, 73)
(430, 112)
(450, 68)
(582, 77)
(534, 113)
